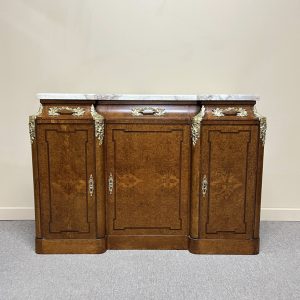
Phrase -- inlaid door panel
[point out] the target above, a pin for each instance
(148, 168)
(228, 181)
(66, 172)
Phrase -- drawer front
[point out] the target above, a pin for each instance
(147, 179)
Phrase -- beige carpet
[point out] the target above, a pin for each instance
(273, 274)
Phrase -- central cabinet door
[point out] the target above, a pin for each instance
(148, 179)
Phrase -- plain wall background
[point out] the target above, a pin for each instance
(157, 46)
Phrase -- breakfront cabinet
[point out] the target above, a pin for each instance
(147, 172)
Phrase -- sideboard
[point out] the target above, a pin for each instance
(147, 172)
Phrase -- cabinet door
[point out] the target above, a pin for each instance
(228, 175)
(148, 174)
(66, 171)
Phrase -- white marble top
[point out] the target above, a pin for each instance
(215, 97)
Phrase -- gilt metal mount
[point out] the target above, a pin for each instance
(99, 125)
(221, 112)
(196, 125)
(204, 185)
(140, 111)
(76, 111)
(110, 183)
(263, 125)
(31, 124)
(91, 185)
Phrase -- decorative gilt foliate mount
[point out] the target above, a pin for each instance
(196, 124)
(32, 124)
(263, 125)
(221, 112)
(99, 125)
(76, 111)
(140, 111)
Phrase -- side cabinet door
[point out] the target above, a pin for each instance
(148, 175)
(228, 181)
(66, 173)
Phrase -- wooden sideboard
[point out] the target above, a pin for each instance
(147, 172)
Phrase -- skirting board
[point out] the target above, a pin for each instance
(267, 214)
(17, 213)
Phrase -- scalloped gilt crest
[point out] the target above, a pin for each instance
(76, 111)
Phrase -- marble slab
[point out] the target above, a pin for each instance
(66, 96)
(206, 97)
(228, 97)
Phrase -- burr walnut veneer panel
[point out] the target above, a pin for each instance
(66, 156)
(229, 161)
(150, 169)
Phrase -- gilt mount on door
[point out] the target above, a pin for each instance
(147, 172)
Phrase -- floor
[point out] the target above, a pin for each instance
(273, 274)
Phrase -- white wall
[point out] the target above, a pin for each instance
(157, 46)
